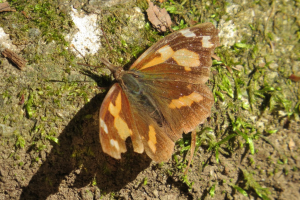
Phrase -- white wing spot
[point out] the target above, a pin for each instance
(115, 144)
(206, 43)
(103, 125)
(187, 33)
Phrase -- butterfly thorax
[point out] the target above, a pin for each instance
(135, 92)
(128, 81)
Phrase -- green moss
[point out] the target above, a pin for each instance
(187, 182)
(251, 183)
(20, 142)
(145, 181)
(94, 182)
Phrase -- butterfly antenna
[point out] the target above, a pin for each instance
(86, 61)
(109, 65)
(89, 65)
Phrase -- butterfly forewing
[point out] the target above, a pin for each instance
(157, 144)
(116, 124)
(189, 48)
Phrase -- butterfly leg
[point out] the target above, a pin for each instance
(193, 145)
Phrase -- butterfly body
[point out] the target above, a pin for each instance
(162, 94)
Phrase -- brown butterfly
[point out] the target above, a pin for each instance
(161, 95)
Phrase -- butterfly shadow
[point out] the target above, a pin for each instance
(78, 159)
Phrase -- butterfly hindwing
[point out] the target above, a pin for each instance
(183, 105)
(162, 110)
(122, 117)
(158, 146)
(116, 124)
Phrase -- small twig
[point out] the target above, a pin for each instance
(272, 13)
(15, 58)
(77, 51)
(106, 38)
(193, 145)
(24, 13)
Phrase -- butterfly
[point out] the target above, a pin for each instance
(162, 95)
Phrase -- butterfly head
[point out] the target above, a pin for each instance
(127, 79)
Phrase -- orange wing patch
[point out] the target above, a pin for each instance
(187, 59)
(123, 130)
(166, 52)
(152, 139)
(185, 100)
(183, 57)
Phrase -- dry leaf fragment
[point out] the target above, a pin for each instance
(214, 56)
(5, 7)
(13, 57)
(24, 13)
(159, 18)
(294, 78)
(22, 100)
(238, 67)
(292, 145)
(229, 69)
(261, 65)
